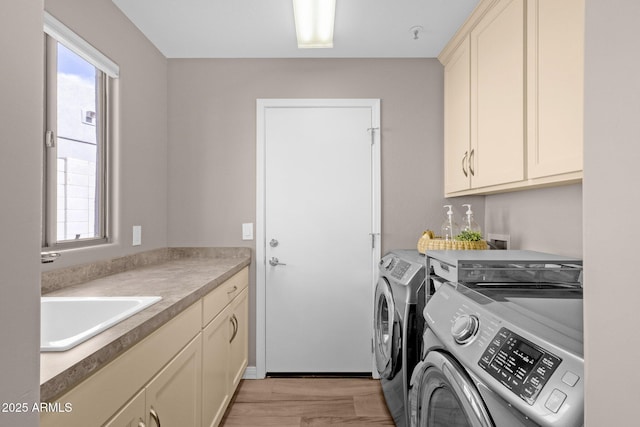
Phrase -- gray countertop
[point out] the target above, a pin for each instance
(180, 280)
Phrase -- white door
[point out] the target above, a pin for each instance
(320, 225)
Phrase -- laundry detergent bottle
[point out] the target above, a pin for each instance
(449, 226)
(468, 223)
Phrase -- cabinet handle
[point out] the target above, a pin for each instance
(234, 322)
(235, 288)
(464, 162)
(141, 424)
(155, 416)
(473, 173)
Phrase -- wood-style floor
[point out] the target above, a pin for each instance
(288, 402)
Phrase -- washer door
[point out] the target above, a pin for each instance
(446, 396)
(387, 332)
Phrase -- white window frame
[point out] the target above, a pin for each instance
(56, 32)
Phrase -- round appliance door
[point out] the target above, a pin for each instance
(387, 334)
(447, 397)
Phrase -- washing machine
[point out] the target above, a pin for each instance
(503, 346)
(397, 328)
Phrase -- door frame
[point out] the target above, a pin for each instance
(261, 107)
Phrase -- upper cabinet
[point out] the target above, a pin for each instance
(555, 80)
(456, 119)
(497, 96)
(513, 97)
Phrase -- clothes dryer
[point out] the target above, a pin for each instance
(503, 347)
(397, 328)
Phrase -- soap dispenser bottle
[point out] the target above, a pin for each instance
(449, 226)
(468, 223)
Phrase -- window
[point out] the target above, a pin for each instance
(77, 139)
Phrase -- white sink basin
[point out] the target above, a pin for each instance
(67, 321)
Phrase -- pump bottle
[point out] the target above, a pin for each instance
(449, 226)
(468, 223)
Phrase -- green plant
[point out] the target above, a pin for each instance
(469, 236)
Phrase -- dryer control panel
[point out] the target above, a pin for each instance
(519, 345)
(403, 266)
(521, 366)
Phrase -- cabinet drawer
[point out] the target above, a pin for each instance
(219, 298)
(444, 270)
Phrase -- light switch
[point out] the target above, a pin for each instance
(247, 231)
(137, 235)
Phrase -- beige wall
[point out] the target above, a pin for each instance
(141, 161)
(20, 161)
(546, 220)
(611, 207)
(212, 116)
(140, 152)
(212, 142)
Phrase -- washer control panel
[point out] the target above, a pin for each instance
(521, 366)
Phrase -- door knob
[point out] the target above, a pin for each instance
(274, 261)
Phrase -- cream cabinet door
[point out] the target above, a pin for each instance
(216, 392)
(132, 415)
(456, 119)
(555, 78)
(239, 339)
(174, 396)
(497, 96)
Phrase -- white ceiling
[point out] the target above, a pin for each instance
(265, 28)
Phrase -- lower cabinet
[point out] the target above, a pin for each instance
(183, 374)
(216, 356)
(171, 398)
(239, 342)
(224, 355)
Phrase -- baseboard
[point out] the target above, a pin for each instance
(251, 373)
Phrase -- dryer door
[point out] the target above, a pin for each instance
(387, 333)
(446, 396)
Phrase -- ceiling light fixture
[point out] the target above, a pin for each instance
(314, 22)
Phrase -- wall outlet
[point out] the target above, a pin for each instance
(137, 235)
(499, 241)
(247, 231)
